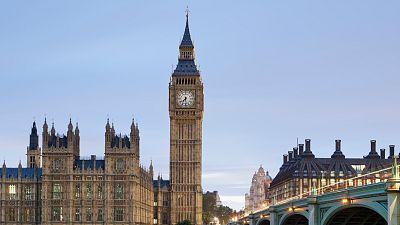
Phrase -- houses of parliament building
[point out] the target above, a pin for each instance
(59, 186)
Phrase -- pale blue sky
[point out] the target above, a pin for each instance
(273, 71)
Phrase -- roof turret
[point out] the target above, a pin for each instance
(34, 138)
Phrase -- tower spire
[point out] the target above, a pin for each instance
(186, 40)
(186, 63)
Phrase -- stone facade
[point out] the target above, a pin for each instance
(259, 190)
(186, 117)
(69, 189)
(181, 198)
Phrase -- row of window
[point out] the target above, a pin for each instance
(358, 168)
(27, 190)
(183, 81)
(89, 214)
(186, 54)
(89, 177)
(57, 214)
(118, 191)
(27, 214)
(304, 186)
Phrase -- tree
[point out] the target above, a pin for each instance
(185, 222)
(223, 213)
(211, 210)
(208, 208)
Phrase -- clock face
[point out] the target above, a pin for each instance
(185, 98)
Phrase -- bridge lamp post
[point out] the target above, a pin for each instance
(346, 201)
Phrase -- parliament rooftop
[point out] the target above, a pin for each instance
(302, 174)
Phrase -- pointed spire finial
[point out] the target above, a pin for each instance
(187, 14)
(133, 123)
(186, 40)
(70, 127)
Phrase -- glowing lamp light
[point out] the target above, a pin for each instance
(345, 201)
(291, 209)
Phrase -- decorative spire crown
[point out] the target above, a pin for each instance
(70, 127)
(186, 40)
(186, 64)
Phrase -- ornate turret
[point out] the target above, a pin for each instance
(108, 134)
(76, 142)
(135, 137)
(34, 138)
(53, 130)
(45, 134)
(70, 127)
(70, 133)
(33, 150)
(151, 171)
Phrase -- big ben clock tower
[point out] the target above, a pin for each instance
(186, 118)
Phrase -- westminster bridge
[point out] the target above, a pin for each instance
(372, 204)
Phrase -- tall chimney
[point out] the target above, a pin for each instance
(373, 145)
(338, 145)
(391, 151)
(382, 153)
(301, 149)
(296, 152)
(290, 153)
(308, 145)
(285, 159)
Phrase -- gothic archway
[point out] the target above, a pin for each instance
(356, 216)
(295, 219)
(263, 222)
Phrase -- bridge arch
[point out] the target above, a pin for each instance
(263, 222)
(298, 218)
(369, 209)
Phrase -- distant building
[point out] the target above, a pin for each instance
(259, 190)
(302, 173)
